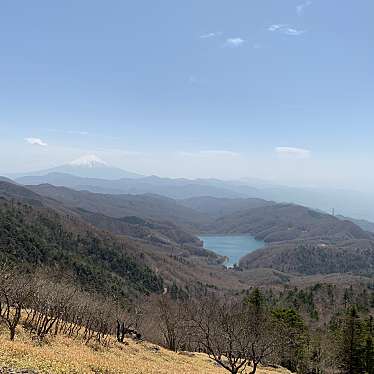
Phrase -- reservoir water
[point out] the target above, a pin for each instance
(232, 246)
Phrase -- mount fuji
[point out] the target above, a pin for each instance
(87, 166)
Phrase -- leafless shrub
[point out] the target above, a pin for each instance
(233, 333)
(15, 294)
(173, 323)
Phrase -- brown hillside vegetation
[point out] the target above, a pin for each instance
(315, 257)
(65, 355)
(283, 222)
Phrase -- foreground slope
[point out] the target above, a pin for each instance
(60, 356)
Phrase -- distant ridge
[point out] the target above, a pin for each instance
(87, 166)
(364, 224)
(173, 188)
(5, 179)
(91, 173)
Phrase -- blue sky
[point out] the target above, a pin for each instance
(279, 89)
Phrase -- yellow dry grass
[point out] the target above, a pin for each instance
(64, 355)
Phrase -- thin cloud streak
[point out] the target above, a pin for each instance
(293, 152)
(293, 32)
(285, 29)
(276, 27)
(210, 35)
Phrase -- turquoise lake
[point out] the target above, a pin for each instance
(232, 246)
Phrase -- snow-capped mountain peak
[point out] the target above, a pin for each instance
(89, 161)
(87, 166)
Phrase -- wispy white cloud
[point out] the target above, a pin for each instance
(293, 32)
(285, 29)
(293, 152)
(276, 27)
(301, 7)
(36, 141)
(234, 42)
(210, 35)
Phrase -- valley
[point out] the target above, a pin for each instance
(139, 251)
(233, 247)
(168, 233)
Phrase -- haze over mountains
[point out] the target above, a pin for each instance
(93, 174)
(87, 166)
(160, 225)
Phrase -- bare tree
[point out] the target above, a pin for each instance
(172, 322)
(15, 293)
(219, 331)
(235, 334)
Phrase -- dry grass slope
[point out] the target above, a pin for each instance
(64, 355)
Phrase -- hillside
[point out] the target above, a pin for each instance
(145, 206)
(283, 222)
(218, 207)
(32, 224)
(9, 190)
(364, 224)
(140, 228)
(313, 257)
(34, 237)
(137, 212)
(59, 356)
(157, 232)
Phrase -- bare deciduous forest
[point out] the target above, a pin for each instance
(238, 332)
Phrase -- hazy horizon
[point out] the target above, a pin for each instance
(279, 91)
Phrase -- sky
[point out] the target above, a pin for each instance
(280, 90)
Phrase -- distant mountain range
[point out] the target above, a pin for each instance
(346, 203)
(173, 188)
(93, 174)
(88, 166)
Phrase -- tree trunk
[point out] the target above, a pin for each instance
(254, 368)
(12, 331)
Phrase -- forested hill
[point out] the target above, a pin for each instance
(300, 240)
(282, 222)
(219, 207)
(146, 206)
(314, 257)
(9, 190)
(33, 236)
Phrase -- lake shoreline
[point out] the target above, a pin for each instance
(232, 246)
